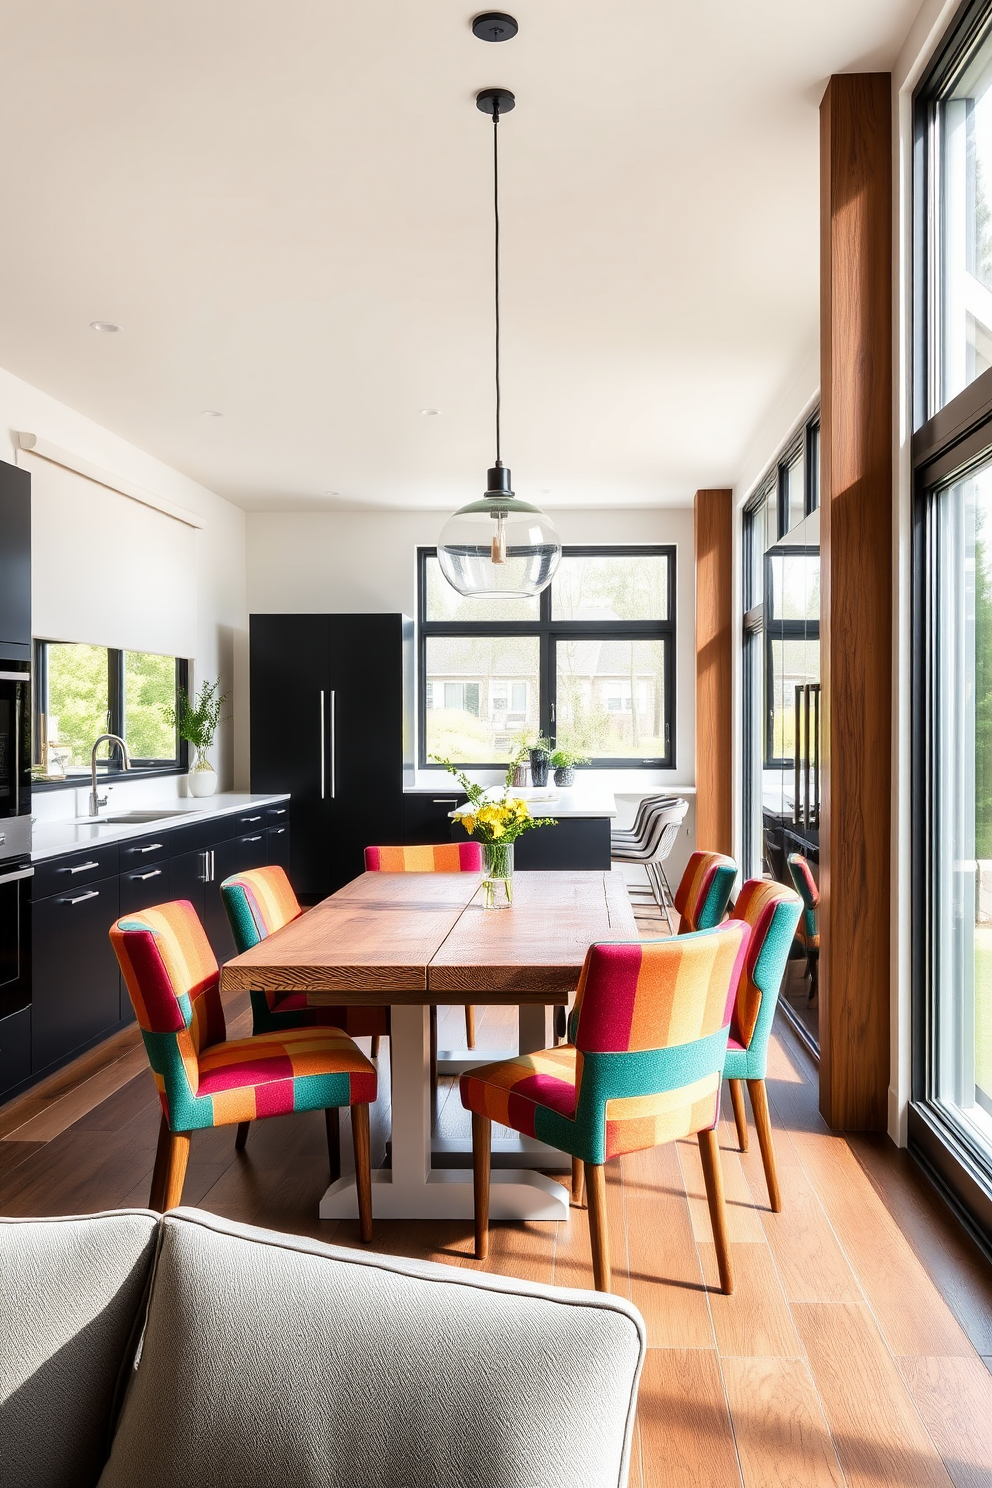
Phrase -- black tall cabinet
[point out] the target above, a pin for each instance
(332, 723)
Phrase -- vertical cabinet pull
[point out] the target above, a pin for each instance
(323, 751)
(334, 745)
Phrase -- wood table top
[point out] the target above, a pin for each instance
(424, 937)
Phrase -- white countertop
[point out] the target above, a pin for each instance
(48, 838)
(566, 803)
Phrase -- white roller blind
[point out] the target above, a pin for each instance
(106, 569)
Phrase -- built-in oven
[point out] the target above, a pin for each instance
(15, 935)
(15, 757)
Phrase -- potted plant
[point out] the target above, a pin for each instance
(563, 761)
(540, 755)
(497, 820)
(197, 722)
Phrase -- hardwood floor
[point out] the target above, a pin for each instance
(855, 1350)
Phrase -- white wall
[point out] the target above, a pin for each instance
(221, 637)
(359, 562)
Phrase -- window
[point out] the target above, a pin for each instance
(83, 691)
(591, 660)
(950, 1117)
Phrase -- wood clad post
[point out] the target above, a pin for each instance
(856, 596)
(714, 524)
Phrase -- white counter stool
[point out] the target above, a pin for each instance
(661, 829)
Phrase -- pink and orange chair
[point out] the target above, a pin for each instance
(436, 857)
(258, 903)
(652, 1020)
(809, 932)
(704, 891)
(205, 1079)
(771, 910)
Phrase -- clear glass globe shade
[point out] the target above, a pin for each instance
(499, 548)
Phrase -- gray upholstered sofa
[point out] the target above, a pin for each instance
(151, 1351)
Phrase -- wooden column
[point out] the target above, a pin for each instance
(856, 596)
(714, 521)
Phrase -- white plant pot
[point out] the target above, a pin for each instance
(202, 779)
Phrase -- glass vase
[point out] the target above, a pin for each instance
(497, 875)
(201, 778)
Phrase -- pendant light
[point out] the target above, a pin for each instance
(499, 547)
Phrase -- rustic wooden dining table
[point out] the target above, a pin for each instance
(414, 940)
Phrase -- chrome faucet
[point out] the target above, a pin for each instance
(96, 801)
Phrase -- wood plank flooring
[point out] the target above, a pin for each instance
(855, 1350)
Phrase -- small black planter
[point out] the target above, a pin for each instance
(539, 766)
(565, 775)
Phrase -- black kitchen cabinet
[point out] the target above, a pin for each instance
(15, 1050)
(75, 982)
(15, 556)
(425, 814)
(332, 724)
(278, 847)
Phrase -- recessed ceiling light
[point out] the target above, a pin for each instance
(211, 413)
(103, 325)
(332, 493)
(430, 412)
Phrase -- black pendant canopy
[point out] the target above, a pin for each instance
(493, 25)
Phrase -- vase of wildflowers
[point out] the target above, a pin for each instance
(496, 820)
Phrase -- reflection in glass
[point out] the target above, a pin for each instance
(481, 695)
(445, 603)
(794, 477)
(962, 1010)
(965, 121)
(611, 697)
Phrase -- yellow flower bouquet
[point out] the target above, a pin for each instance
(496, 821)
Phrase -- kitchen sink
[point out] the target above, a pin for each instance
(128, 818)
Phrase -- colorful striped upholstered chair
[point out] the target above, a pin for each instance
(772, 912)
(809, 931)
(435, 857)
(645, 1067)
(206, 1080)
(259, 902)
(704, 891)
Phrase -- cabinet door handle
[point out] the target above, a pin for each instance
(81, 867)
(334, 744)
(252, 839)
(277, 831)
(246, 821)
(277, 811)
(323, 751)
(445, 801)
(152, 847)
(204, 867)
(152, 873)
(81, 898)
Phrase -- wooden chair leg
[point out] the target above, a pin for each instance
(171, 1157)
(470, 1026)
(740, 1112)
(709, 1152)
(595, 1175)
(332, 1121)
(161, 1168)
(482, 1129)
(363, 1168)
(375, 1045)
(578, 1181)
(762, 1120)
(242, 1137)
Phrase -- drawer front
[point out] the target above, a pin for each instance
(252, 819)
(65, 873)
(198, 835)
(250, 850)
(142, 887)
(76, 994)
(277, 839)
(277, 816)
(144, 850)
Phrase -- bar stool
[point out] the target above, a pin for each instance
(660, 831)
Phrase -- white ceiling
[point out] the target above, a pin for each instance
(287, 208)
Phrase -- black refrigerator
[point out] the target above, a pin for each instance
(332, 723)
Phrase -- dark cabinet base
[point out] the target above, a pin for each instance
(15, 1051)
(581, 844)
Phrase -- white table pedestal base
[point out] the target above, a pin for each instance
(412, 1189)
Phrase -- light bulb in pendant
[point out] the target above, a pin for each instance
(498, 554)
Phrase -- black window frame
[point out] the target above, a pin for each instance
(777, 629)
(947, 442)
(549, 631)
(177, 765)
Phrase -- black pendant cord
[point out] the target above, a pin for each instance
(496, 243)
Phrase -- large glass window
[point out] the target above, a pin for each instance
(82, 691)
(590, 662)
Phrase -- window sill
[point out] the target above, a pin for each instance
(76, 782)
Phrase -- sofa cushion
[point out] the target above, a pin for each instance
(272, 1359)
(70, 1291)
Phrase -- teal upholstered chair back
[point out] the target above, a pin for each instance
(772, 911)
